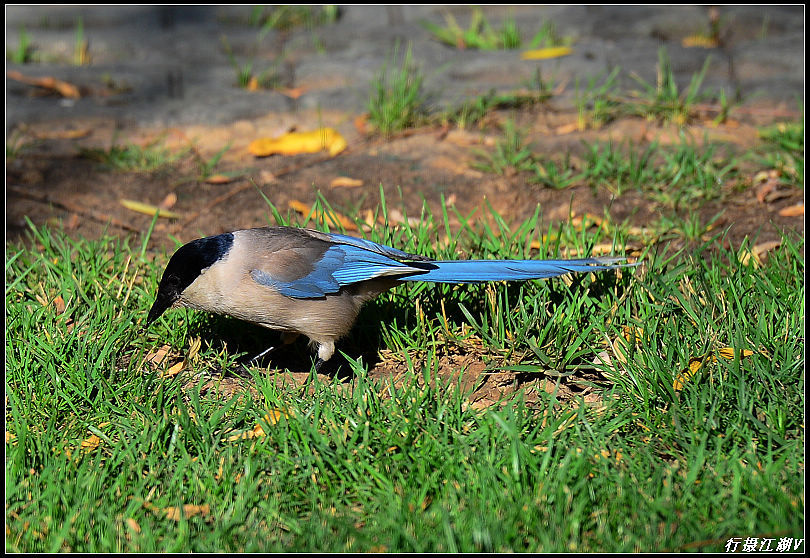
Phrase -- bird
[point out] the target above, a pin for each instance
(303, 281)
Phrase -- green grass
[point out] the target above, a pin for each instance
(24, 53)
(404, 463)
(247, 77)
(510, 156)
(783, 151)
(480, 34)
(135, 158)
(597, 105)
(664, 101)
(288, 17)
(396, 101)
(473, 111)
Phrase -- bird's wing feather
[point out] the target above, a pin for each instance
(340, 265)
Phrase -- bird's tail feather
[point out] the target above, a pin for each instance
(476, 271)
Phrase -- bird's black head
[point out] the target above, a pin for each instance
(185, 266)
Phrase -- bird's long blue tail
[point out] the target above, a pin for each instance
(476, 271)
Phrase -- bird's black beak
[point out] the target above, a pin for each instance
(162, 303)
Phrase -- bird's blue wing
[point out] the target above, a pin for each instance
(339, 266)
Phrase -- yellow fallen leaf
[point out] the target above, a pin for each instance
(346, 182)
(273, 415)
(132, 524)
(256, 432)
(149, 209)
(545, 53)
(728, 353)
(194, 347)
(293, 143)
(176, 369)
(10, 437)
(701, 41)
(696, 363)
(91, 443)
(332, 216)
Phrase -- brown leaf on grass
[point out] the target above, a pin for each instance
(769, 183)
(132, 524)
(757, 253)
(219, 179)
(361, 123)
(72, 222)
(159, 355)
(330, 217)
(58, 303)
(63, 88)
(395, 217)
(792, 211)
(292, 92)
(567, 128)
(346, 182)
(294, 143)
(253, 84)
(175, 369)
(169, 201)
(189, 511)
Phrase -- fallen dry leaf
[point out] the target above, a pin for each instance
(701, 41)
(256, 432)
(73, 221)
(395, 217)
(361, 123)
(696, 363)
(219, 179)
(158, 356)
(189, 511)
(149, 209)
(292, 92)
(792, 211)
(293, 143)
(545, 53)
(763, 248)
(169, 201)
(63, 88)
(175, 369)
(132, 524)
(346, 182)
(90, 443)
(567, 128)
